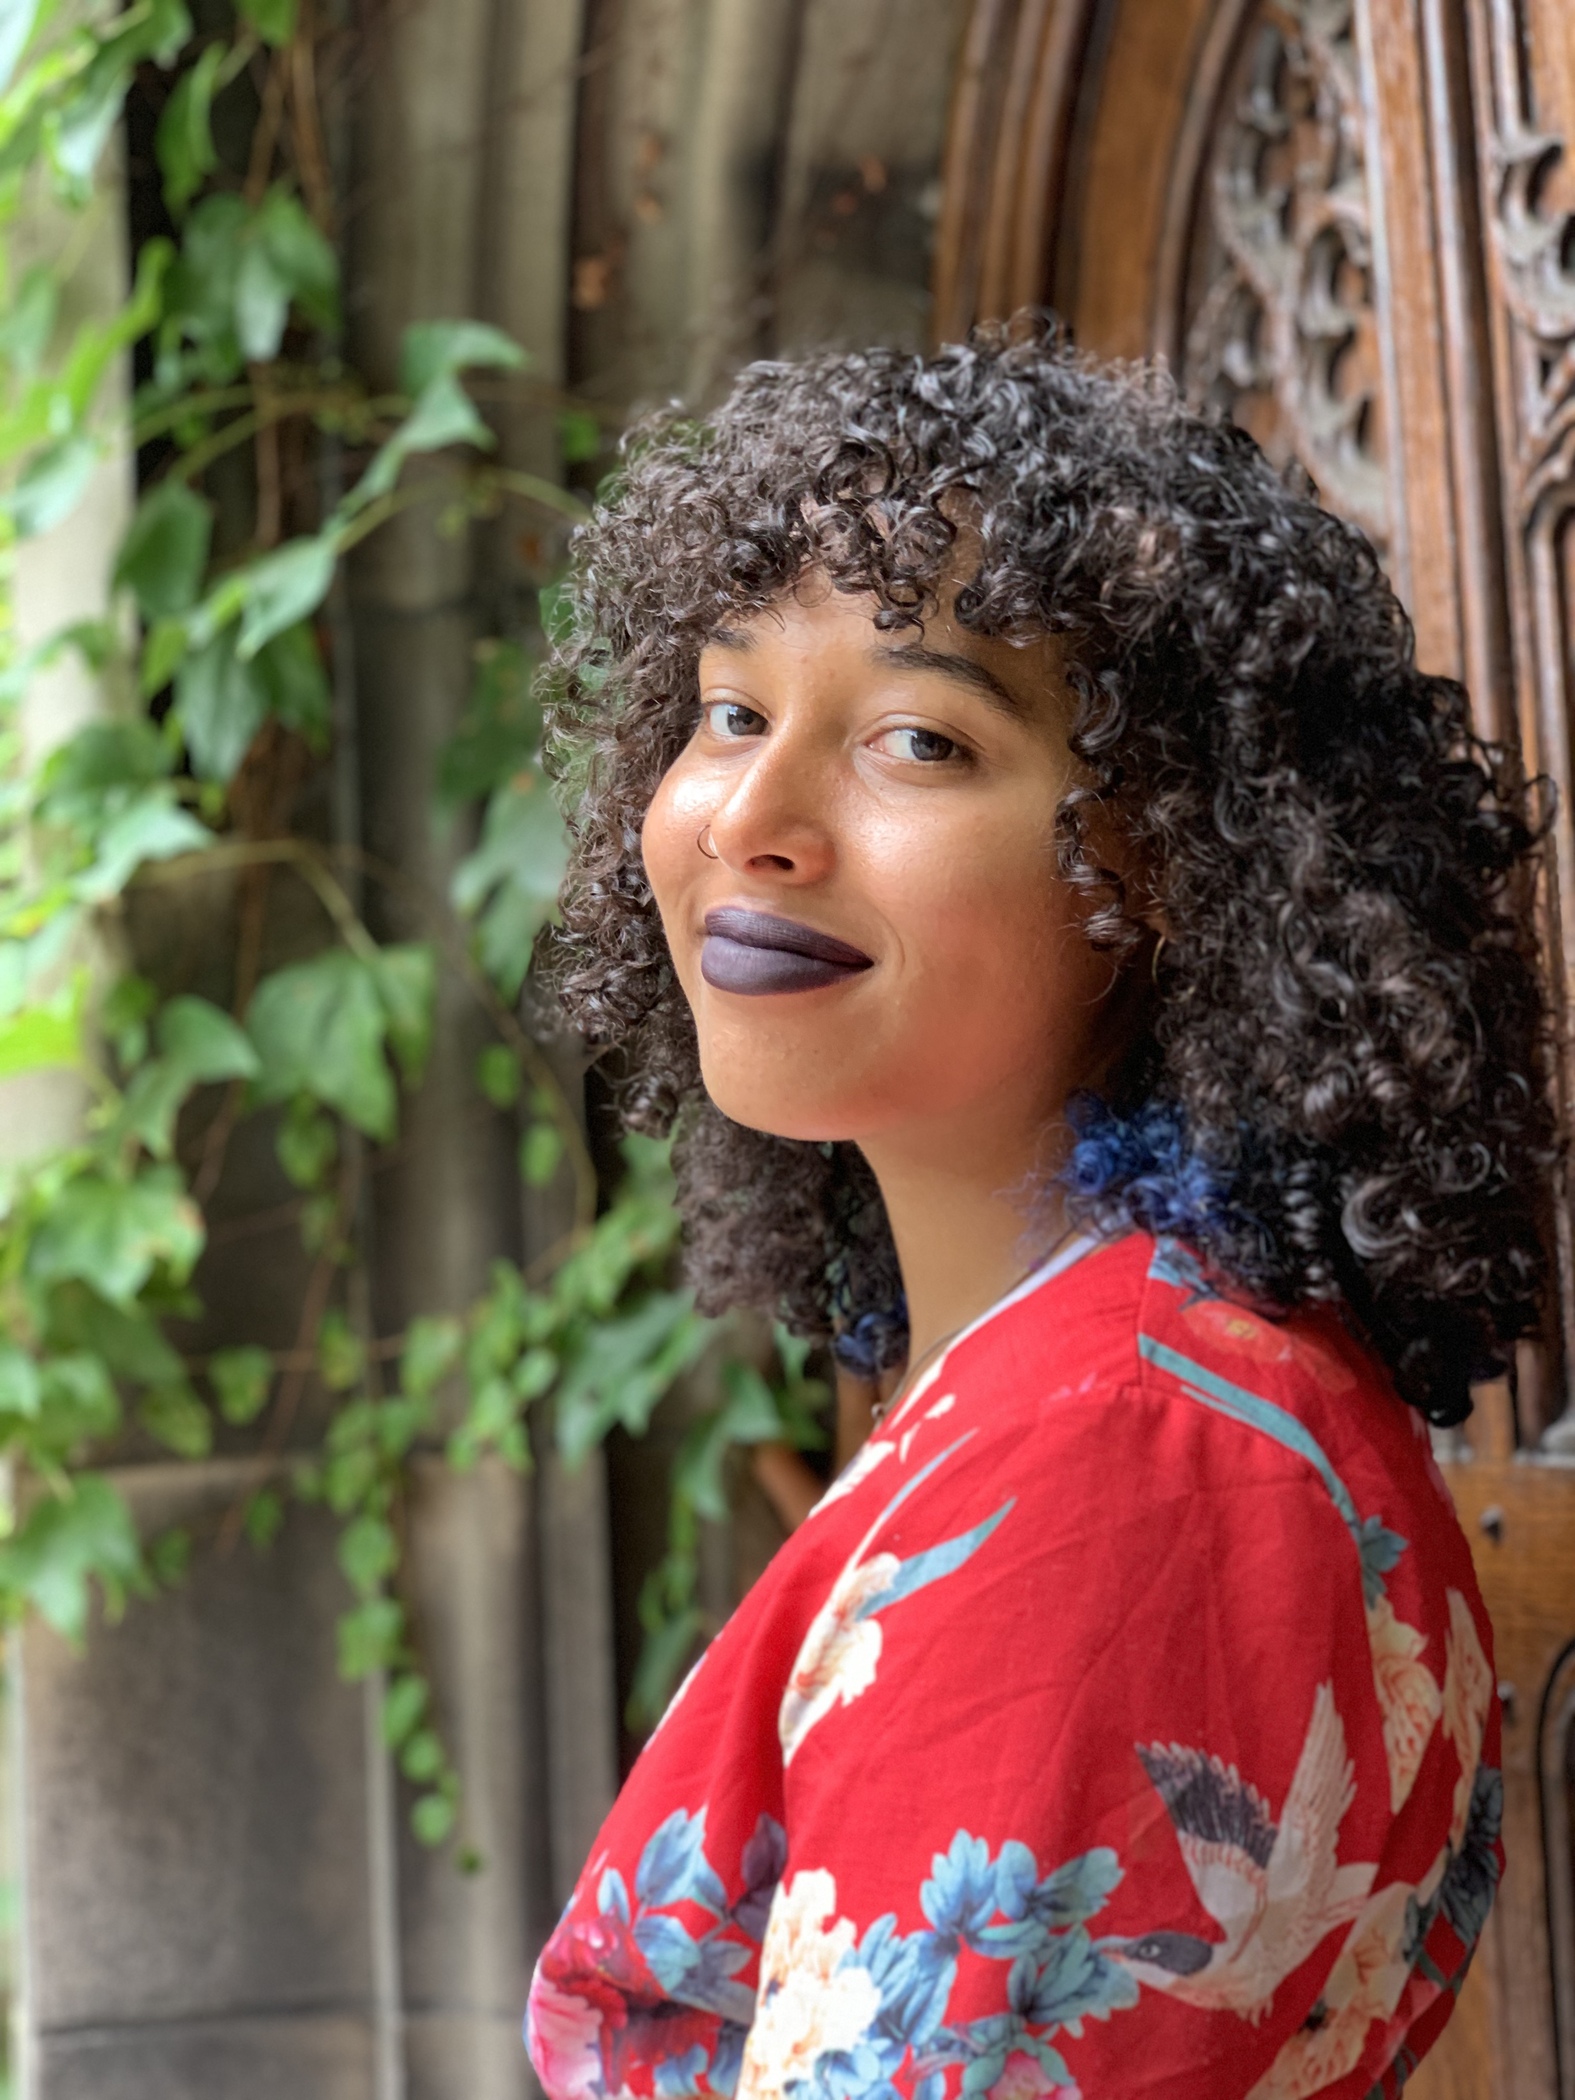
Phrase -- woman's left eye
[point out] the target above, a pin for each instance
(927, 746)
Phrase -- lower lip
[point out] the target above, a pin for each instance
(730, 966)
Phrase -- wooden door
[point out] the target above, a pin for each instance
(1351, 224)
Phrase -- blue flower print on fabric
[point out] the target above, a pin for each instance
(879, 2008)
(590, 2013)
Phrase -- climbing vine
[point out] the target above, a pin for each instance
(216, 675)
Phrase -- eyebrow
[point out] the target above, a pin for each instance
(907, 656)
(962, 670)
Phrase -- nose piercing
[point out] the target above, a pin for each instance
(710, 852)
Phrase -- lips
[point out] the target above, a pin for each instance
(754, 952)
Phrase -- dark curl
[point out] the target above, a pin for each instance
(1338, 1094)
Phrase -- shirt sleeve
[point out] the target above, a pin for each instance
(1123, 1749)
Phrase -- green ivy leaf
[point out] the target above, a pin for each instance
(199, 1044)
(28, 322)
(262, 304)
(220, 701)
(404, 1703)
(183, 142)
(534, 1373)
(113, 1234)
(124, 1016)
(169, 1556)
(21, 1382)
(407, 985)
(668, 1645)
(541, 1148)
(174, 1417)
(52, 484)
(432, 1818)
(153, 828)
(79, 1403)
(370, 1638)
(64, 1544)
(284, 259)
(498, 1075)
(422, 1757)
(623, 1366)
(510, 883)
(307, 1144)
(432, 1347)
(368, 1554)
(500, 732)
(437, 349)
(46, 1035)
(202, 1040)
(273, 20)
(318, 1028)
(128, 1340)
(264, 1516)
(241, 1378)
(443, 415)
(101, 757)
(17, 20)
(751, 1415)
(291, 667)
(165, 551)
(341, 1354)
(162, 652)
(579, 436)
(282, 588)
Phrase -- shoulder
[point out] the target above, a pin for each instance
(1130, 1392)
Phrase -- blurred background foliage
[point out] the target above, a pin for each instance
(263, 458)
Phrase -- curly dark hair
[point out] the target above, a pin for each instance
(1339, 1093)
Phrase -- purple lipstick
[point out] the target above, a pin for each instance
(754, 952)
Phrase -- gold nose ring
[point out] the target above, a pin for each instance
(710, 852)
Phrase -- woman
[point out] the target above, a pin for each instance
(1075, 946)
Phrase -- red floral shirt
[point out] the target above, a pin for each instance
(1122, 1723)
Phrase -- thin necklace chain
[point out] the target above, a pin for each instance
(899, 1393)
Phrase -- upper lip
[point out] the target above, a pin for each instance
(763, 929)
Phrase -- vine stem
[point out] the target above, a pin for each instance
(252, 853)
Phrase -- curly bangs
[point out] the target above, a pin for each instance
(1340, 1092)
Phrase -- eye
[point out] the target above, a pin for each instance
(925, 746)
(731, 719)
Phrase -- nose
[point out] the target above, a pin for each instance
(778, 819)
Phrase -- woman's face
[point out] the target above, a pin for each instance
(881, 942)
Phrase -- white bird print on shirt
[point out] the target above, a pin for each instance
(1274, 1889)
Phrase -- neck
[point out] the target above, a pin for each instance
(962, 1224)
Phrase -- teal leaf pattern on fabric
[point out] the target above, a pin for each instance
(1377, 1548)
(936, 1562)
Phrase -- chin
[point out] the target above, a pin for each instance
(816, 1122)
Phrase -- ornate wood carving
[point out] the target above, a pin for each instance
(1524, 65)
(1280, 326)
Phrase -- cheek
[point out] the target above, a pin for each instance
(667, 845)
(996, 970)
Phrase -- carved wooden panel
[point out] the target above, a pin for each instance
(1279, 325)
(1524, 62)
